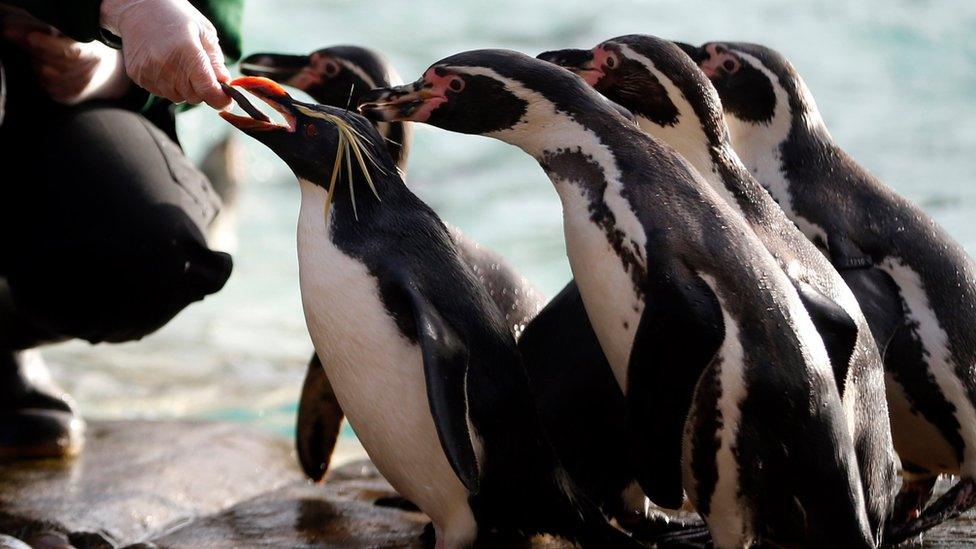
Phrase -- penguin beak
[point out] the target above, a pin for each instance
(269, 92)
(580, 62)
(409, 102)
(277, 67)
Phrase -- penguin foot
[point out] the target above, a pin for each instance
(650, 528)
(950, 505)
(37, 420)
(911, 500)
(692, 536)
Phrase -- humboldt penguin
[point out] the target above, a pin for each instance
(339, 76)
(915, 284)
(728, 386)
(421, 360)
(674, 101)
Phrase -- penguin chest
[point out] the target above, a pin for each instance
(917, 441)
(909, 430)
(606, 285)
(377, 374)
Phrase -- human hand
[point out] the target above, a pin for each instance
(170, 49)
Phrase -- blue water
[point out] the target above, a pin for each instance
(895, 80)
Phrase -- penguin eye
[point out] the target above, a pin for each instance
(730, 65)
(611, 62)
(311, 130)
(331, 69)
(456, 85)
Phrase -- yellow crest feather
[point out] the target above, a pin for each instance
(350, 145)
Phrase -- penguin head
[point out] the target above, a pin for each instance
(337, 75)
(311, 139)
(756, 85)
(656, 81)
(500, 93)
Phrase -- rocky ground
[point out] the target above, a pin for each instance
(199, 484)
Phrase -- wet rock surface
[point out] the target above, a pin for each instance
(178, 484)
(960, 532)
(339, 513)
(354, 507)
(135, 478)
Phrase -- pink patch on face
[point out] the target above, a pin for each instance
(422, 113)
(439, 83)
(305, 79)
(597, 69)
(720, 60)
(433, 93)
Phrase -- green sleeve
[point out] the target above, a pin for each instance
(226, 18)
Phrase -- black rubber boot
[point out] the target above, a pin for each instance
(37, 420)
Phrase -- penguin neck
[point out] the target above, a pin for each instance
(553, 136)
(397, 137)
(350, 204)
(796, 120)
(708, 149)
(699, 132)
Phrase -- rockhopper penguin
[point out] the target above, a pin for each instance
(705, 335)
(339, 76)
(421, 360)
(578, 400)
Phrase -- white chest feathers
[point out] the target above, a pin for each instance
(607, 288)
(377, 373)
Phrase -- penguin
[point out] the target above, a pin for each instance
(578, 400)
(915, 284)
(675, 102)
(422, 362)
(729, 389)
(339, 76)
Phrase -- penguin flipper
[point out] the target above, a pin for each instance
(319, 419)
(876, 292)
(445, 370)
(679, 335)
(837, 329)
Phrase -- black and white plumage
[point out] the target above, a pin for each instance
(338, 76)
(916, 285)
(705, 335)
(674, 101)
(421, 360)
(579, 403)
